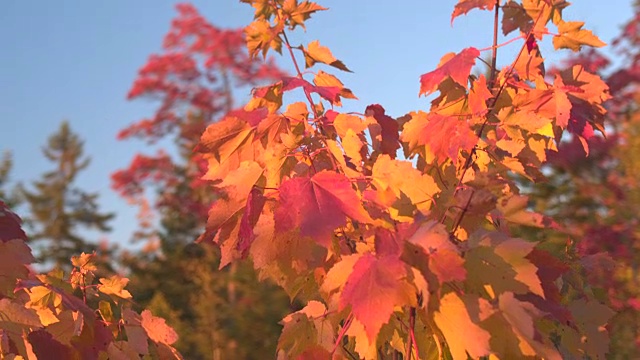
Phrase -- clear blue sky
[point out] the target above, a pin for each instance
(76, 60)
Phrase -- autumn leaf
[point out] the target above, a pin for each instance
(374, 288)
(464, 6)
(521, 317)
(43, 297)
(261, 37)
(478, 96)
(572, 36)
(44, 346)
(454, 319)
(443, 136)
(389, 144)
(444, 258)
(318, 205)
(15, 317)
(318, 53)
(115, 286)
(157, 329)
(591, 317)
(395, 179)
(15, 256)
(328, 85)
(515, 17)
(299, 13)
(253, 209)
(10, 224)
(457, 66)
(136, 335)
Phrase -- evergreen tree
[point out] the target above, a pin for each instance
(10, 197)
(58, 209)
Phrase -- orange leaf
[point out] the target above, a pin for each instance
(374, 288)
(457, 66)
(462, 333)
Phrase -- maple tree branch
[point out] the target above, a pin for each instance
(464, 211)
(494, 50)
(309, 98)
(469, 161)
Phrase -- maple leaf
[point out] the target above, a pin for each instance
(521, 317)
(253, 209)
(515, 17)
(464, 6)
(304, 330)
(573, 37)
(15, 317)
(456, 66)
(15, 256)
(331, 83)
(10, 224)
(318, 53)
(591, 317)
(388, 129)
(444, 258)
(299, 13)
(261, 36)
(453, 319)
(44, 346)
(85, 262)
(443, 136)
(157, 329)
(318, 205)
(223, 223)
(115, 286)
(374, 288)
(514, 209)
(478, 96)
(515, 251)
(136, 335)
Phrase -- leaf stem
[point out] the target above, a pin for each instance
(343, 331)
(469, 161)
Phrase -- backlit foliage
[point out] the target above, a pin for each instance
(396, 233)
(70, 316)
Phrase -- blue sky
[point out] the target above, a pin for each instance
(76, 60)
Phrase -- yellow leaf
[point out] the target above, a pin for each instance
(318, 53)
(573, 37)
(115, 286)
(454, 320)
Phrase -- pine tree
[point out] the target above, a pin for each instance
(9, 196)
(58, 209)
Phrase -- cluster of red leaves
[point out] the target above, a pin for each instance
(194, 80)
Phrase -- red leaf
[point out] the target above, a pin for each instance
(44, 346)
(478, 96)
(456, 66)
(444, 258)
(549, 269)
(329, 93)
(390, 135)
(464, 6)
(255, 203)
(373, 289)
(318, 205)
(10, 227)
(442, 135)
